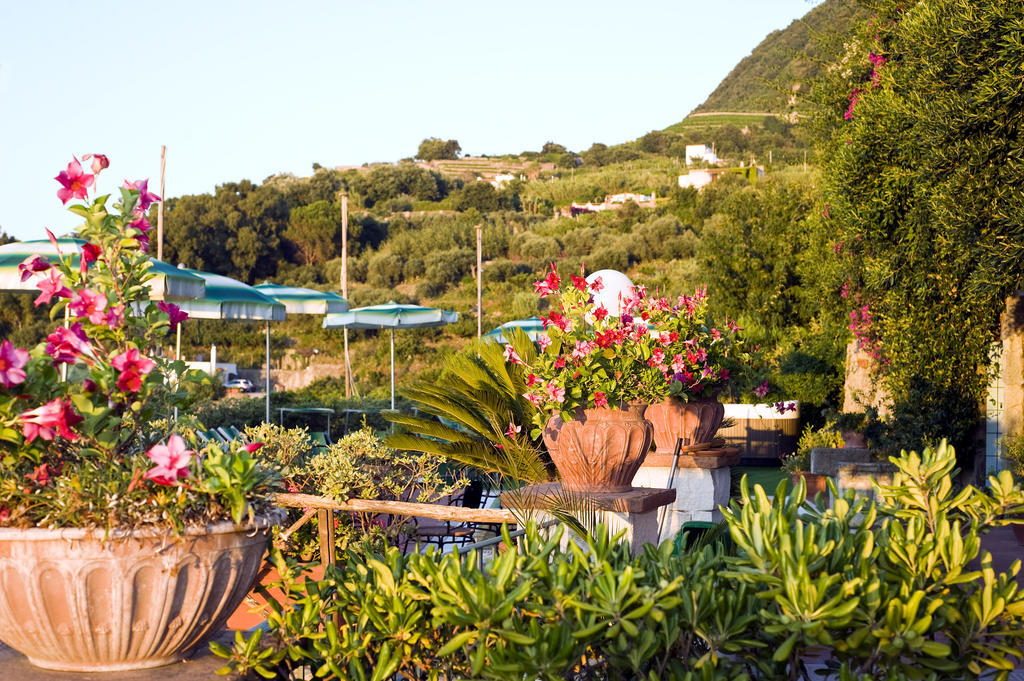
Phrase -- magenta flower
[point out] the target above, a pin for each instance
(171, 461)
(75, 183)
(174, 312)
(513, 430)
(532, 380)
(761, 390)
(12, 364)
(854, 98)
(146, 198)
(115, 317)
(543, 340)
(53, 418)
(597, 285)
(600, 400)
(535, 399)
(52, 285)
(142, 224)
(89, 303)
(33, 264)
(252, 447)
(549, 284)
(133, 366)
(66, 345)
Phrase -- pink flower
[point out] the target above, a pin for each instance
(33, 264)
(535, 399)
(56, 415)
(511, 355)
(171, 461)
(99, 162)
(597, 285)
(115, 317)
(252, 447)
(12, 364)
(146, 198)
(543, 340)
(75, 183)
(556, 393)
(783, 407)
(133, 366)
(678, 363)
(40, 475)
(600, 400)
(854, 98)
(89, 303)
(67, 345)
(513, 430)
(52, 285)
(582, 349)
(532, 380)
(174, 312)
(560, 363)
(762, 389)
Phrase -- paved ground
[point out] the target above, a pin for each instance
(201, 667)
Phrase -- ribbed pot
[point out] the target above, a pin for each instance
(600, 450)
(695, 422)
(71, 601)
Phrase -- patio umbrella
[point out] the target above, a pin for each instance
(304, 300)
(391, 316)
(170, 283)
(230, 299)
(531, 326)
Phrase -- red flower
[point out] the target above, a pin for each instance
(75, 183)
(579, 282)
(40, 475)
(90, 253)
(600, 312)
(549, 285)
(252, 447)
(597, 285)
(599, 399)
(56, 415)
(67, 345)
(133, 366)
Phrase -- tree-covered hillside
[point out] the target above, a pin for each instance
(776, 75)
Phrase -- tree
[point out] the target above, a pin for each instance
(313, 231)
(924, 131)
(437, 149)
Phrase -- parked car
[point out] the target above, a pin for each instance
(242, 384)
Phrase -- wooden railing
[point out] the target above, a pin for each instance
(324, 509)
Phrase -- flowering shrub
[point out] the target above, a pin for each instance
(80, 413)
(656, 348)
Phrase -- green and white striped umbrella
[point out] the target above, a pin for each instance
(531, 326)
(304, 300)
(170, 283)
(230, 299)
(391, 316)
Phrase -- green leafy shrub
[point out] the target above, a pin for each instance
(811, 437)
(385, 270)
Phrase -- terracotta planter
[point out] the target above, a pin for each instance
(70, 601)
(695, 422)
(854, 440)
(815, 483)
(601, 449)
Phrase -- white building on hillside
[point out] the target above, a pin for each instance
(700, 152)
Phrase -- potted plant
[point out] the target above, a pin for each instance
(798, 464)
(123, 544)
(850, 425)
(696, 359)
(591, 382)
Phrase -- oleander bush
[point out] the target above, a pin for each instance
(897, 590)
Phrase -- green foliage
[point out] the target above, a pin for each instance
(313, 230)
(924, 209)
(436, 149)
(811, 437)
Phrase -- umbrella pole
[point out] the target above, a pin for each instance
(267, 391)
(392, 369)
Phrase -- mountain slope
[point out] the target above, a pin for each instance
(783, 63)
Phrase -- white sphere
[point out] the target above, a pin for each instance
(617, 286)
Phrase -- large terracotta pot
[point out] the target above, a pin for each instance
(71, 601)
(600, 450)
(695, 422)
(816, 484)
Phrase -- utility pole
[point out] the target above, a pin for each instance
(344, 284)
(160, 206)
(479, 281)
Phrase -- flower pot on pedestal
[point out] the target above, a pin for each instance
(600, 450)
(72, 601)
(695, 422)
(815, 483)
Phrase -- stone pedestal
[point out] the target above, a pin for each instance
(827, 460)
(635, 510)
(859, 477)
(701, 484)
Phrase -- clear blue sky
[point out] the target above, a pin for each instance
(244, 90)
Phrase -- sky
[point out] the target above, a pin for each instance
(246, 90)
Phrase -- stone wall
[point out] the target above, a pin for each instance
(293, 379)
(1012, 422)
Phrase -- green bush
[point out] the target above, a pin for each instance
(856, 590)
(385, 270)
(449, 267)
